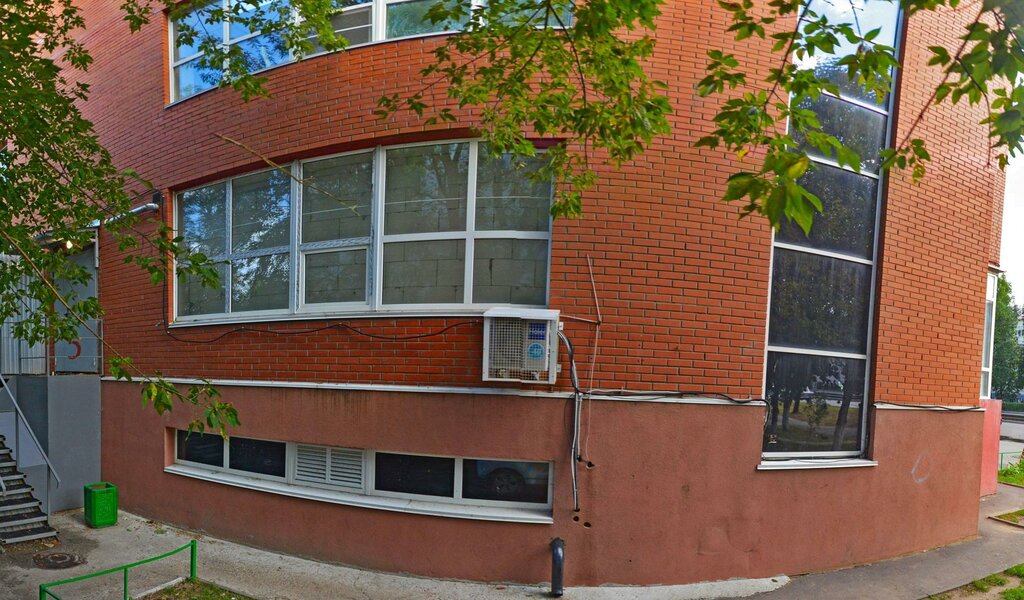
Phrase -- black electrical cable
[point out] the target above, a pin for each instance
(343, 326)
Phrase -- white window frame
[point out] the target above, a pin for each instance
(378, 34)
(225, 468)
(988, 337)
(867, 357)
(471, 505)
(374, 306)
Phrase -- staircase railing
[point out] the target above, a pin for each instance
(16, 451)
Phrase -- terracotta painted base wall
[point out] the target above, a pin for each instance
(674, 495)
(990, 447)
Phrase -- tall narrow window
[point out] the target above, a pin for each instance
(822, 284)
(990, 324)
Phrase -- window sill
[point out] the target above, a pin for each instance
(814, 463)
(256, 317)
(419, 507)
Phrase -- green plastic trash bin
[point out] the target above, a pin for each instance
(100, 504)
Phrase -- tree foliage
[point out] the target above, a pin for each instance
(573, 72)
(982, 70)
(1006, 352)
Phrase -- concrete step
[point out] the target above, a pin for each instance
(13, 503)
(7, 463)
(17, 520)
(12, 477)
(27, 535)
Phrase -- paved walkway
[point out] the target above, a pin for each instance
(997, 547)
(270, 576)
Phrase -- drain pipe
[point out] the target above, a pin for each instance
(557, 567)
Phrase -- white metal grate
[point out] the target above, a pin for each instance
(339, 467)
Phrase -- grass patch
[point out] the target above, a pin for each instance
(1013, 406)
(196, 590)
(1017, 517)
(986, 583)
(1012, 474)
(1013, 594)
(1016, 571)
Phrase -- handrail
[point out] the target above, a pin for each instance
(44, 588)
(17, 408)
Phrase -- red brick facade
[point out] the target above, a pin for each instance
(682, 285)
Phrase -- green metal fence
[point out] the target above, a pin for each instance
(1007, 459)
(44, 589)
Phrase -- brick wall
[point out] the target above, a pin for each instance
(682, 283)
(939, 238)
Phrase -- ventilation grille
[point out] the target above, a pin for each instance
(520, 349)
(338, 467)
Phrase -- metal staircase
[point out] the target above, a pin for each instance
(21, 515)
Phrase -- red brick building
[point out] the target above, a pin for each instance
(350, 333)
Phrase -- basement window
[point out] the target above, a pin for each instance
(474, 488)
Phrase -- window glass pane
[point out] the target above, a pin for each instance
(256, 456)
(848, 222)
(259, 283)
(260, 205)
(864, 17)
(205, 448)
(199, 22)
(819, 302)
(201, 219)
(272, 12)
(814, 403)
(354, 25)
(505, 481)
(986, 351)
(263, 52)
(986, 391)
(190, 79)
(336, 277)
(196, 299)
(858, 128)
(506, 197)
(408, 18)
(336, 199)
(424, 272)
(510, 272)
(426, 189)
(428, 475)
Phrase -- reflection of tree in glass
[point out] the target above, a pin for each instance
(409, 18)
(848, 222)
(260, 207)
(819, 302)
(336, 198)
(201, 219)
(507, 197)
(259, 283)
(859, 129)
(429, 181)
(823, 382)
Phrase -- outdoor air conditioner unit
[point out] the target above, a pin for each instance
(521, 345)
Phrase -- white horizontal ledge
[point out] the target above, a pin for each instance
(936, 407)
(419, 507)
(815, 463)
(653, 397)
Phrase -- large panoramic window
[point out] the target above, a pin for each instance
(345, 475)
(822, 299)
(358, 21)
(427, 226)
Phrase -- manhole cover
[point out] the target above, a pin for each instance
(57, 560)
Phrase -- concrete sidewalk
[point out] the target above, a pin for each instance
(997, 547)
(270, 576)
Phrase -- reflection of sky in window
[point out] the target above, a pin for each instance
(863, 16)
